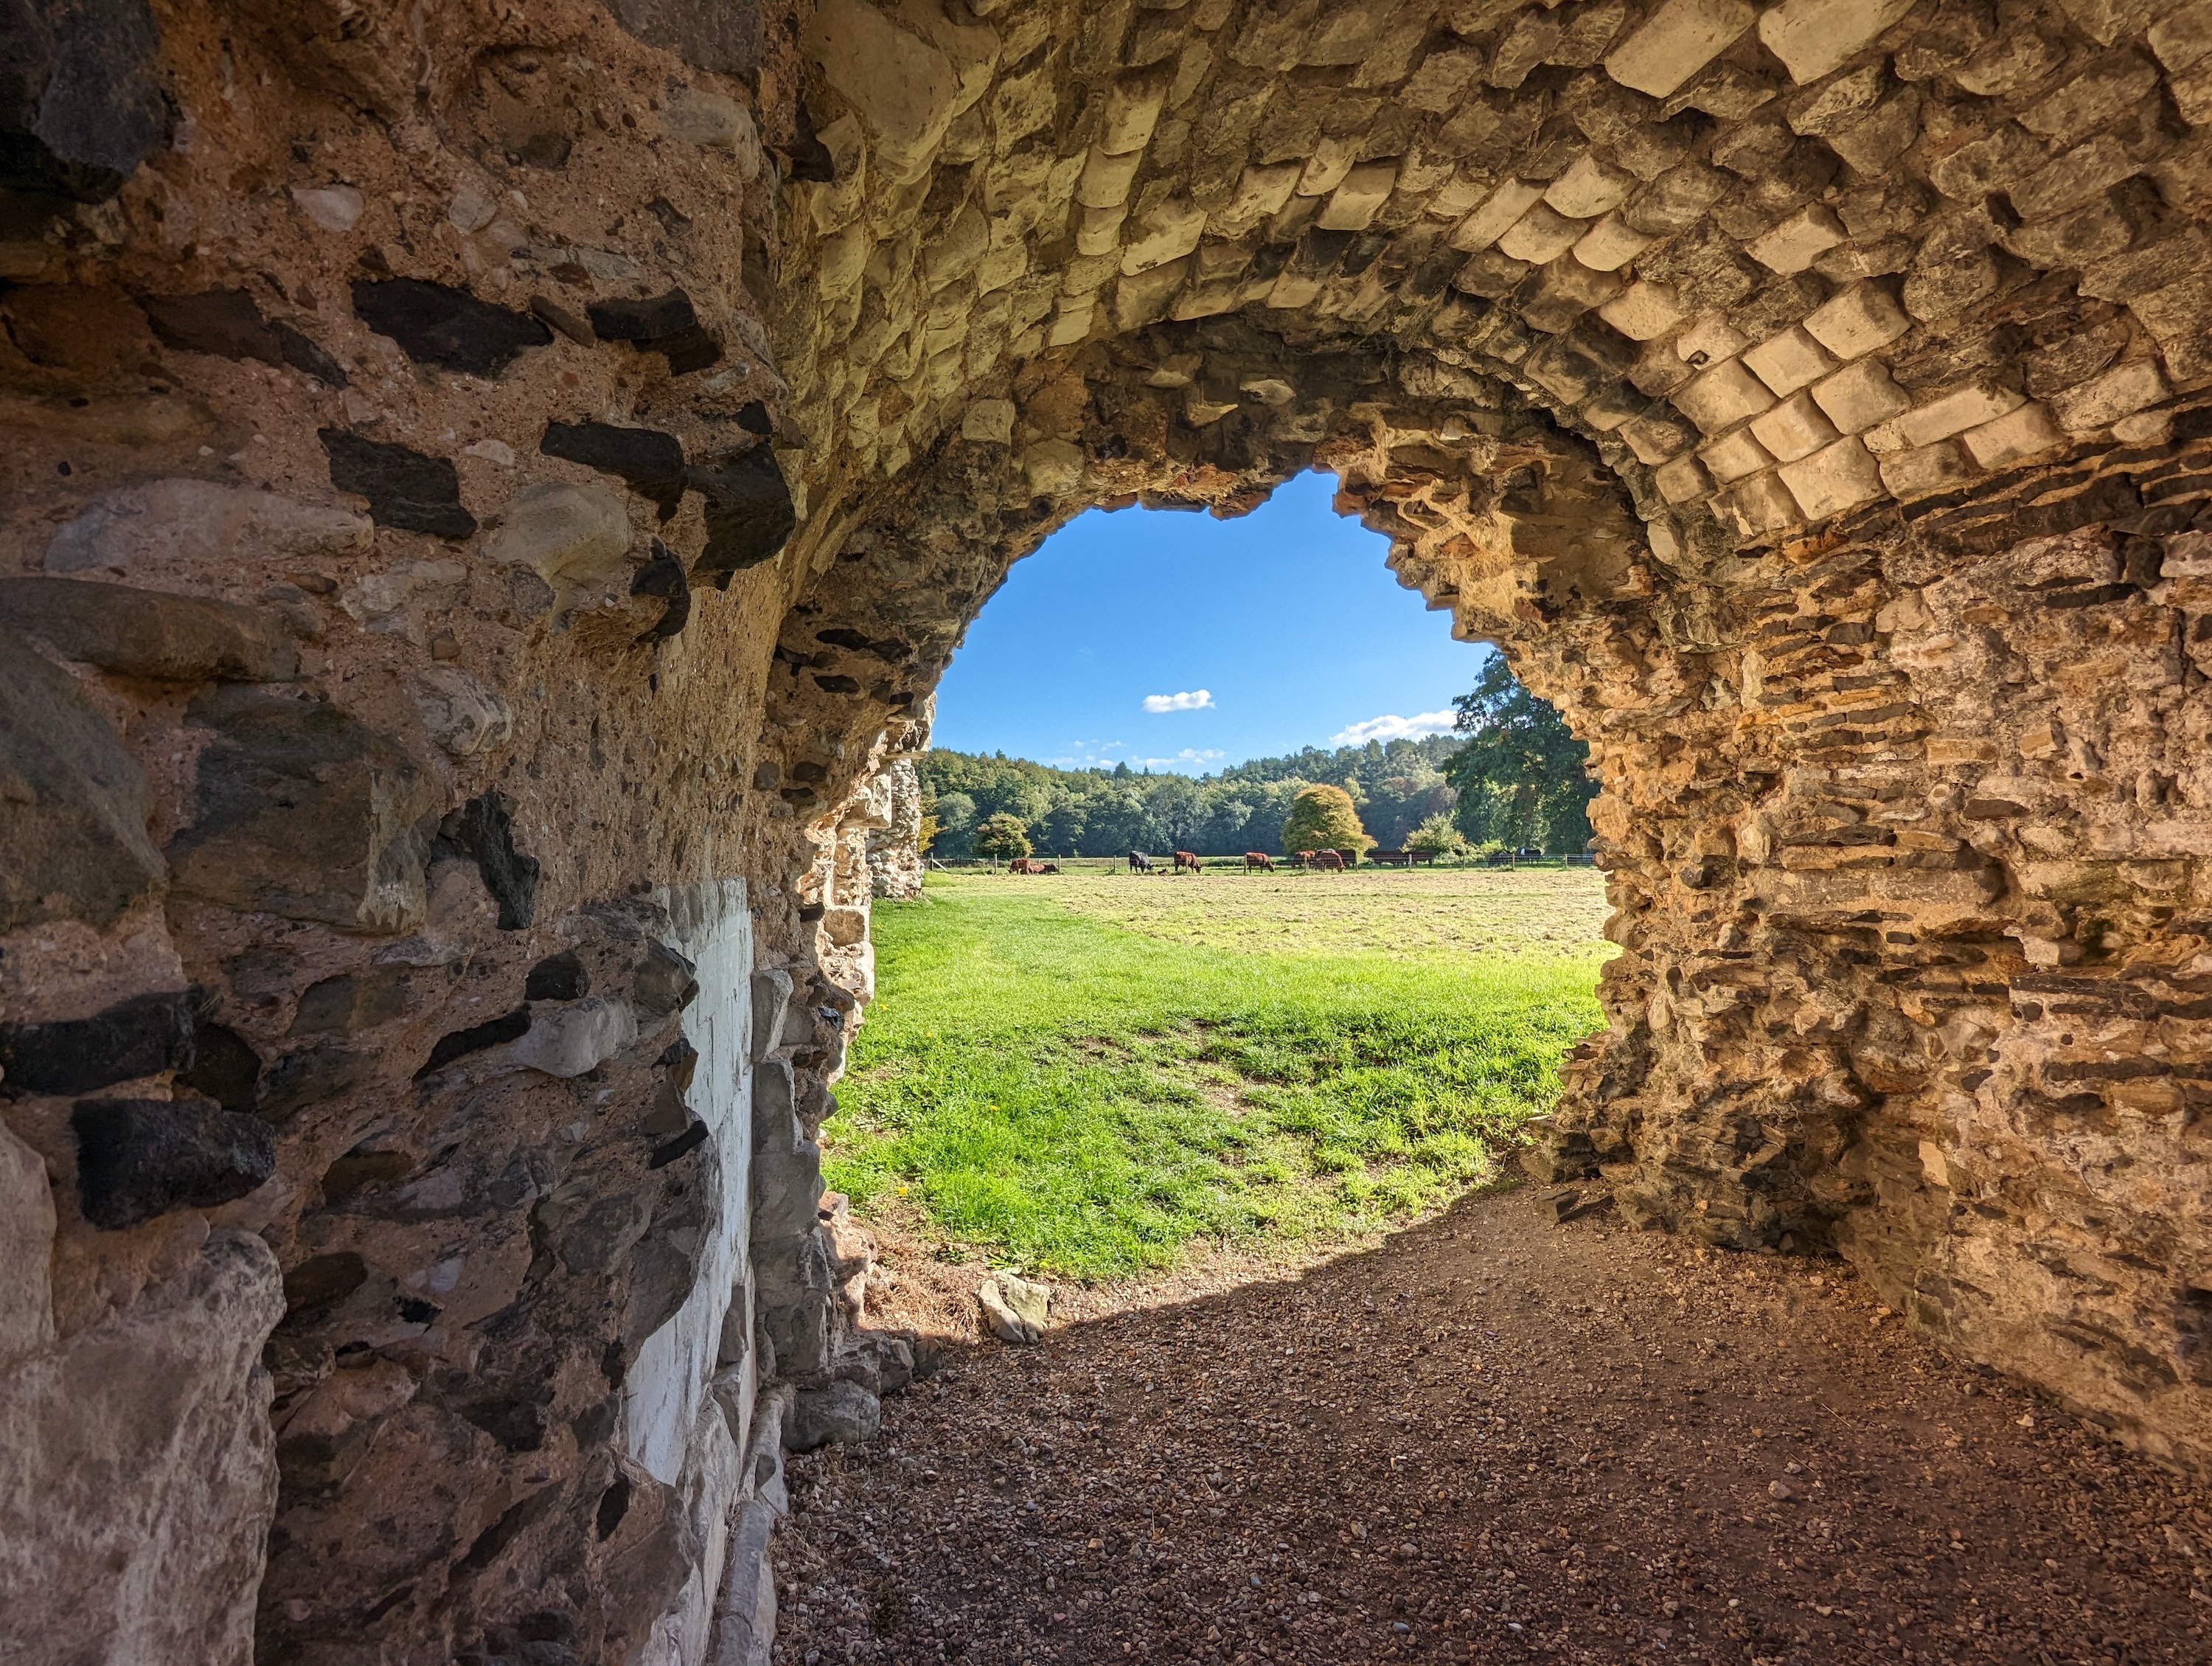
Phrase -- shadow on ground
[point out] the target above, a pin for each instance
(1497, 1439)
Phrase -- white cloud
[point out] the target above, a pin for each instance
(1189, 758)
(1192, 701)
(1394, 728)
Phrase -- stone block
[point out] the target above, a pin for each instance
(1681, 480)
(141, 1473)
(1859, 396)
(1540, 235)
(436, 324)
(844, 1414)
(577, 1037)
(2103, 401)
(1723, 396)
(142, 1035)
(1676, 41)
(574, 538)
(749, 513)
(650, 462)
(149, 633)
(1562, 292)
(1873, 144)
(1735, 456)
(1356, 202)
(300, 810)
(903, 89)
(1837, 477)
(988, 421)
(1132, 109)
(1955, 413)
(696, 116)
(770, 993)
(1589, 188)
(1794, 428)
(1925, 471)
(786, 1192)
(1799, 240)
(1644, 311)
(176, 525)
(1759, 506)
(73, 841)
(1106, 178)
(2077, 177)
(1161, 235)
(1497, 215)
(2024, 432)
(1654, 439)
(1610, 244)
(1709, 340)
(1789, 361)
(1813, 38)
(137, 1158)
(1861, 318)
(2184, 38)
(405, 487)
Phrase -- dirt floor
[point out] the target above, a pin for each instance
(1492, 1438)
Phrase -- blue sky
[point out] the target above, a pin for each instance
(1178, 641)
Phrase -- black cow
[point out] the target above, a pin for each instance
(1139, 862)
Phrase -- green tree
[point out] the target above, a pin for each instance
(1001, 835)
(1439, 833)
(926, 836)
(1323, 818)
(1521, 776)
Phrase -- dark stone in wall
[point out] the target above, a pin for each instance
(148, 633)
(73, 841)
(723, 36)
(445, 327)
(495, 1032)
(663, 982)
(484, 830)
(81, 106)
(229, 324)
(663, 576)
(137, 1158)
(404, 488)
(303, 810)
(308, 1076)
(666, 325)
(558, 977)
(649, 462)
(749, 513)
(225, 1067)
(143, 1036)
(345, 1003)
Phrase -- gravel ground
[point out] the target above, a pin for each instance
(1492, 1438)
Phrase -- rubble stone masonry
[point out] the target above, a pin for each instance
(490, 488)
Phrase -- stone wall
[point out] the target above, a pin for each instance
(491, 490)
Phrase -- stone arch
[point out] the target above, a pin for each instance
(533, 463)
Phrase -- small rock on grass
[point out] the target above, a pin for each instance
(1014, 1309)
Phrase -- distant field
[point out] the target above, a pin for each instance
(1085, 1073)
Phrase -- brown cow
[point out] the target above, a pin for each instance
(1188, 858)
(1021, 865)
(1046, 867)
(1325, 860)
(1258, 858)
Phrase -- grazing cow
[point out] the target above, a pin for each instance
(1139, 862)
(1046, 867)
(1188, 858)
(1258, 858)
(1325, 860)
(1021, 865)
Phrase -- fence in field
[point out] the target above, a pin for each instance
(1164, 862)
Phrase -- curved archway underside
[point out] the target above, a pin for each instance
(539, 460)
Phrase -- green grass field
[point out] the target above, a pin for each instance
(1086, 1075)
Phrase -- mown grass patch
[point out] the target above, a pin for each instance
(1086, 1093)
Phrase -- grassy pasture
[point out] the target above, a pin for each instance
(1087, 1073)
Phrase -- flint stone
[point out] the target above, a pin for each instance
(771, 994)
(663, 577)
(715, 123)
(666, 325)
(81, 105)
(151, 633)
(172, 524)
(308, 1076)
(26, 1249)
(157, 1415)
(724, 38)
(573, 537)
(573, 1039)
(786, 1191)
(650, 462)
(775, 1106)
(483, 830)
(404, 488)
(229, 324)
(73, 842)
(447, 328)
(844, 1413)
(664, 982)
(143, 1036)
(462, 715)
(558, 977)
(137, 1158)
(750, 514)
(302, 810)
(1014, 1309)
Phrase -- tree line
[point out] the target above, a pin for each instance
(1511, 775)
